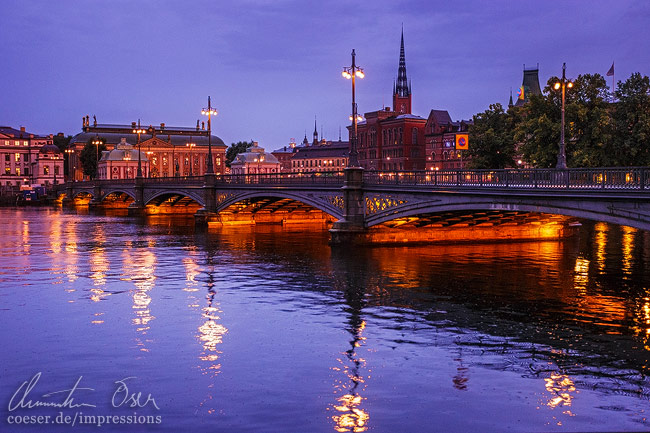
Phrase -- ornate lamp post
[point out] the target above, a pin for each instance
(96, 142)
(69, 153)
(138, 130)
(563, 84)
(209, 112)
(191, 145)
(352, 72)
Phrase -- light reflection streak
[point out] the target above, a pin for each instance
(26, 245)
(581, 275)
(600, 239)
(98, 265)
(350, 416)
(627, 249)
(70, 256)
(141, 264)
(560, 386)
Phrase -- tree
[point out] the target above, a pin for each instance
(491, 139)
(632, 121)
(90, 155)
(235, 149)
(588, 126)
(61, 141)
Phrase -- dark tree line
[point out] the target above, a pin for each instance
(598, 132)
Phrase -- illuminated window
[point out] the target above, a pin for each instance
(17, 157)
(17, 171)
(25, 143)
(46, 170)
(7, 170)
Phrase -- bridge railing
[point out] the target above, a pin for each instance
(334, 178)
(618, 178)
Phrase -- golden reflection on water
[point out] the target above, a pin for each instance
(600, 239)
(192, 269)
(70, 257)
(350, 417)
(628, 247)
(140, 266)
(561, 387)
(99, 265)
(55, 236)
(26, 245)
(581, 275)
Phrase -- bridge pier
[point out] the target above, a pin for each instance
(137, 208)
(208, 213)
(351, 229)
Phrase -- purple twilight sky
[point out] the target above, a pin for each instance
(272, 65)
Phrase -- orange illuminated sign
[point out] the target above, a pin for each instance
(461, 141)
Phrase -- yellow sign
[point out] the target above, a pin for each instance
(461, 141)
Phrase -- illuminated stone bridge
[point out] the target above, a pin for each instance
(385, 206)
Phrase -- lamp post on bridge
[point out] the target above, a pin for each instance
(69, 153)
(352, 72)
(209, 112)
(563, 84)
(138, 130)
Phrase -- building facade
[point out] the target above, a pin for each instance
(171, 151)
(441, 135)
(22, 160)
(122, 162)
(255, 161)
(321, 157)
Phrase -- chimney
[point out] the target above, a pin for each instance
(22, 129)
(162, 126)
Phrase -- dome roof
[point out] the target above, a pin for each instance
(49, 148)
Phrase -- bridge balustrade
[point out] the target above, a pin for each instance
(625, 178)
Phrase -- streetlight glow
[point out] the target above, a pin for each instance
(563, 83)
(350, 73)
(209, 112)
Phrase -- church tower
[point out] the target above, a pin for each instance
(315, 142)
(402, 89)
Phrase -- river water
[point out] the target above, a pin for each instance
(164, 328)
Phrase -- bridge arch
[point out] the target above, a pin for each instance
(331, 204)
(176, 197)
(605, 212)
(107, 193)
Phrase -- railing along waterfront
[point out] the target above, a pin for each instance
(619, 178)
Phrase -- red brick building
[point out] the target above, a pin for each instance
(440, 135)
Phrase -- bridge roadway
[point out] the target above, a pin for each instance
(358, 199)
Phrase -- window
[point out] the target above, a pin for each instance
(56, 170)
(17, 171)
(25, 143)
(17, 157)
(46, 170)
(26, 171)
(7, 171)
(7, 157)
(414, 138)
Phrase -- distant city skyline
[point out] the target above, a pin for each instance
(271, 66)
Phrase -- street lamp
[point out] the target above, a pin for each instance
(96, 142)
(138, 130)
(563, 84)
(69, 153)
(209, 112)
(191, 145)
(351, 73)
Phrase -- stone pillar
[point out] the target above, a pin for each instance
(209, 211)
(137, 208)
(69, 192)
(96, 202)
(351, 228)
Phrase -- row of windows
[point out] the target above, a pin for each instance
(16, 157)
(319, 163)
(392, 136)
(15, 143)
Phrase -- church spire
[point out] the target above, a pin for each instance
(315, 142)
(403, 88)
(510, 104)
